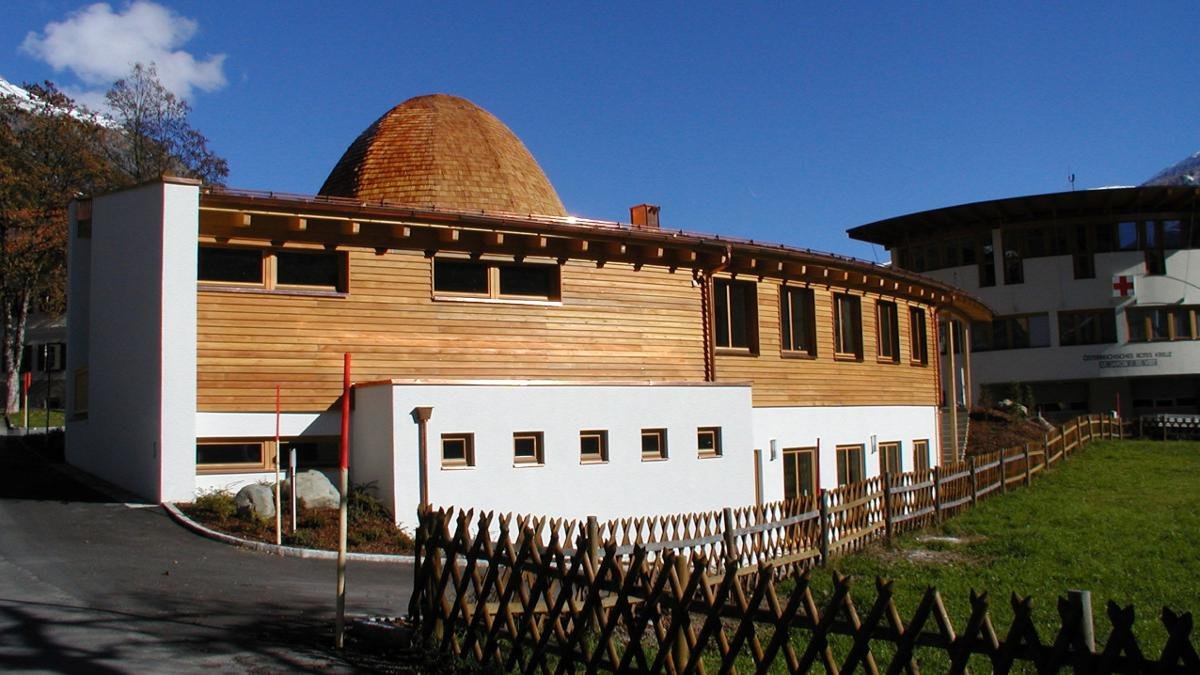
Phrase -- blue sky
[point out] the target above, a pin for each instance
(778, 122)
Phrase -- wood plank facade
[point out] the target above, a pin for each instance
(630, 307)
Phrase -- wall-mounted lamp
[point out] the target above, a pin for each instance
(874, 443)
(774, 449)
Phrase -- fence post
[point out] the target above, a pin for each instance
(1028, 473)
(1082, 601)
(937, 493)
(593, 541)
(1003, 471)
(823, 509)
(974, 484)
(1120, 429)
(681, 643)
(887, 506)
(1046, 449)
(730, 537)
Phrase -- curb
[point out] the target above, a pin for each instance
(285, 551)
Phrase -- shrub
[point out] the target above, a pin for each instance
(220, 503)
(364, 506)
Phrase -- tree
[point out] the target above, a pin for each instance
(157, 138)
(51, 151)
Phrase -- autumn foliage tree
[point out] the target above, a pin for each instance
(53, 151)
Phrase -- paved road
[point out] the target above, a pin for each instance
(89, 585)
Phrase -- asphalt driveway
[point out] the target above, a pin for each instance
(92, 585)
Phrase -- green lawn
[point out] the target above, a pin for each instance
(1120, 519)
(37, 418)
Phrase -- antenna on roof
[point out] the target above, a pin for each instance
(1071, 178)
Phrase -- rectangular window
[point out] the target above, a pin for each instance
(847, 326)
(987, 263)
(593, 446)
(735, 315)
(457, 277)
(887, 328)
(309, 269)
(528, 448)
(272, 269)
(797, 321)
(921, 455)
(1011, 332)
(458, 450)
(654, 444)
(230, 265)
(232, 454)
(708, 441)
(799, 472)
(311, 452)
(889, 457)
(919, 336)
(850, 466)
(1087, 327)
(1153, 324)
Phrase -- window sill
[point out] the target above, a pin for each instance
(202, 469)
(457, 467)
(803, 356)
(497, 301)
(592, 461)
(653, 458)
(734, 351)
(847, 357)
(518, 464)
(304, 292)
(919, 364)
(710, 455)
(887, 360)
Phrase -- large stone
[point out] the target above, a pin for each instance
(257, 500)
(315, 491)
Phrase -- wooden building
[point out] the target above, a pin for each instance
(572, 366)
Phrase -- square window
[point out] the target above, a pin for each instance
(525, 280)
(460, 276)
(654, 444)
(593, 446)
(458, 450)
(528, 447)
(850, 464)
(708, 441)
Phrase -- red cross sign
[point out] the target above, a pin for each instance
(1122, 286)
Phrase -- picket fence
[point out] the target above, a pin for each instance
(729, 589)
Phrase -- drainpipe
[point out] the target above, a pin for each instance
(421, 415)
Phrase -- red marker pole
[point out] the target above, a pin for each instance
(278, 454)
(26, 383)
(339, 627)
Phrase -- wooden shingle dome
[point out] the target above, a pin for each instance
(446, 152)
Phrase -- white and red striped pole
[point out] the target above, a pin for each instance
(339, 628)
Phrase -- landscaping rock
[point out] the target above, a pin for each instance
(315, 490)
(257, 500)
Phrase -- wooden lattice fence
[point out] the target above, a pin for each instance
(728, 590)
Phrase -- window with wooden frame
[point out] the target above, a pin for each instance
(1156, 324)
(887, 331)
(463, 278)
(232, 455)
(1087, 327)
(593, 446)
(708, 441)
(889, 457)
(654, 444)
(311, 452)
(528, 448)
(851, 464)
(921, 455)
(847, 326)
(918, 335)
(797, 321)
(735, 316)
(458, 450)
(289, 271)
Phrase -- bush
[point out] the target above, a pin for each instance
(364, 506)
(220, 503)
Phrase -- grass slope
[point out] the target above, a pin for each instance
(1120, 519)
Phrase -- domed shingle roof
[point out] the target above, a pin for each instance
(443, 151)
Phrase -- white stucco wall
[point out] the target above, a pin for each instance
(141, 342)
(830, 426)
(563, 486)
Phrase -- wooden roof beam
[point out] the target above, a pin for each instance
(297, 224)
(350, 227)
(449, 235)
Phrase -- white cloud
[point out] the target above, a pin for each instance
(100, 46)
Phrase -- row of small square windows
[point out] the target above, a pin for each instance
(458, 449)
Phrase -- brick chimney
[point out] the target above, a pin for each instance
(644, 216)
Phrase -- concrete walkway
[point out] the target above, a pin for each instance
(89, 585)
